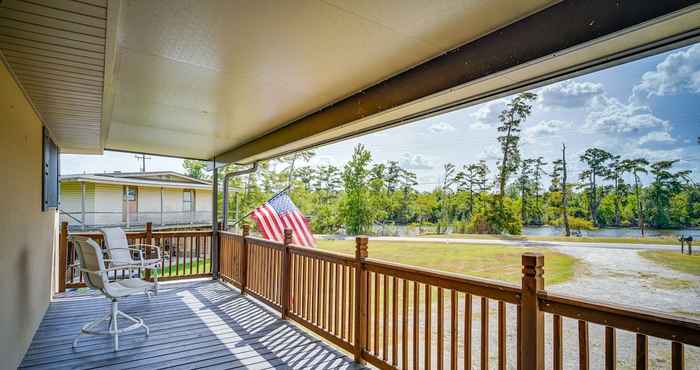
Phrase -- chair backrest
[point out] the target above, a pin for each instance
(115, 237)
(90, 256)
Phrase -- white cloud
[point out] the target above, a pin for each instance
(609, 115)
(570, 94)
(486, 115)
(415, 162)
(656, 137)
(543, 129)
(322, 160)
(678, 73)
(441, 127)
(490, 153)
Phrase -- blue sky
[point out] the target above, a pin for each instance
(648, 108)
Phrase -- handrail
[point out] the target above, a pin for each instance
(643, 321)
(493, 289)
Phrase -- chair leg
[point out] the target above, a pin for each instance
(115, 311)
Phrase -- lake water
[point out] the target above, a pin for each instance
(609, 231)
(407, 230)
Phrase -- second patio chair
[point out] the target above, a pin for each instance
(121, 254)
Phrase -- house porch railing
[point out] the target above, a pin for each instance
(186, 254)
(396, 316)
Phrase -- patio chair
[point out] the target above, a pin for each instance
(121, 253)
(92, 266)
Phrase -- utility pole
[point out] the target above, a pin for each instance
(142, 158)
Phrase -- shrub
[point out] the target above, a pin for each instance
(496, 217)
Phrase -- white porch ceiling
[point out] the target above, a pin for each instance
(196, 78)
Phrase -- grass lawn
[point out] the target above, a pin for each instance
(487, 261)
(184, 268)
(582, 239)
(675, 260)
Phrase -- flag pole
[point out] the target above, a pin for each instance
(285, 189)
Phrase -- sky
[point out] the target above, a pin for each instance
(649, 109)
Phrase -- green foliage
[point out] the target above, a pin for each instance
(356, 210)
(195, 168)
(576, 223)
(496, 215)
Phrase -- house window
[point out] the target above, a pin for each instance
(187, 200)
(130, 194)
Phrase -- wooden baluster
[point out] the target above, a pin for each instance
(305, 287)
(361, 304)
(416, 321)
(532, 324)
(227, 262)
(343, 301)
(677, 356)
(404, 326)
(454, 302)
(244, 259)
(375, 318)
(467, 337)
(324, 295)
(149, 241)
(63, 257)
(440, 329)
(484, 333)
(642, 351)
(199, 253)
(557, 343)
(314, 291)
(394, 321)
(610, 358)
(385, 316)
(583, 345)
(428, 329)
(501, 335)
(519, 338)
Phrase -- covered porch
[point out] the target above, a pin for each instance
(236, 83)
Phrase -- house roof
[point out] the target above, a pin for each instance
(164, 179)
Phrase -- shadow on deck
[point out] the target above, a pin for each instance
(201, 324)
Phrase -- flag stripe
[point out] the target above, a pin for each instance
(298, 228)
(272, 218)
(280, 213)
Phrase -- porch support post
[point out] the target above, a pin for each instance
(162, 219)
(82, 204)
(215, 225)
(62, 256)
(532, 322)
(360, 319)
(244, 258)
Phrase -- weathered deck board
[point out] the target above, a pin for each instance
(193, 325)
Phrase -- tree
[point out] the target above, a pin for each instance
(524, 184)
(327, 180)
(291, 159)
(510, 120)
(538, 172)
(194, 168)
(596, 160)
(357, 212)
(473, 179)
(614, 174)
(448, 179)
(636, 167)
(666, 184)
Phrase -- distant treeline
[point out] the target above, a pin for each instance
(522, 191)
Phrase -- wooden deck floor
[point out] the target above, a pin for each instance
(193, 325)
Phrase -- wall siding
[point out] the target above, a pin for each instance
(29, 236)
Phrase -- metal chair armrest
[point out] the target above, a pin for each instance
(157, 248)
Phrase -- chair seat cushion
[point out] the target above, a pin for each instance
(122, 288)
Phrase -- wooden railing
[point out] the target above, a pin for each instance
(404, 317)
(185, 254)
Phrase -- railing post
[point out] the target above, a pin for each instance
(286, 278)
(360, 298)
(62, 256)
(532, 321)
(244, 259)
(149, 241)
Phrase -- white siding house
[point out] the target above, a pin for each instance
(133, 199)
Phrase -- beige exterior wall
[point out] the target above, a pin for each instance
(28, 234)
(108, 202)
(71, 202)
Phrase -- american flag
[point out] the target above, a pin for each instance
(280, 213)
